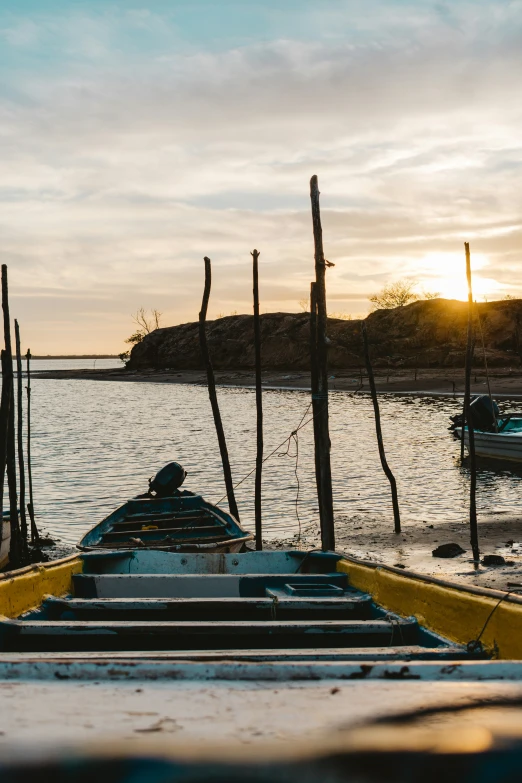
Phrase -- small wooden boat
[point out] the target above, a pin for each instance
(185, 523)
(170, 519)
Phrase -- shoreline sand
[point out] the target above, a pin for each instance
(503, 381)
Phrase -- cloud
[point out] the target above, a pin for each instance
(125, 161)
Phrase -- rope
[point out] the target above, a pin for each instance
(277, 450)
(475, 646)
(395, 625)
(287, 453)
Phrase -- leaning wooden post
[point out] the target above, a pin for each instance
(259, 403)
(212, 392)
(382, 455)
(469, 419)
(30, 506)
(16, 548)
(320, 398)
(20, 439)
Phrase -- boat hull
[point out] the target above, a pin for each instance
(493, 445)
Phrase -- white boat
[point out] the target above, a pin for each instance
(505, 444)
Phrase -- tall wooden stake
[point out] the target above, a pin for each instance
(320, 398)
(19, 423)
(382, 455)
(314, 373)
(16, 547)
(30, 506)
(212, 392)
(469, 419)
(4, 426)
(259, 403)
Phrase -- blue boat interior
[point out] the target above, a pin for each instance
(180, 521)
(157, 600)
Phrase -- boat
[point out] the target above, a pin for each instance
(151, 665)
(496, 436)
(168, 519)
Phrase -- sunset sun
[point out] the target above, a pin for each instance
(445, 274)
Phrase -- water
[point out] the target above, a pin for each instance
(41, 365)
(96, 443)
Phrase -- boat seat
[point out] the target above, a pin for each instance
(351, 606)
(178, 635)
(122, 534)
(182, 522)
(143, 517)
(192, 585)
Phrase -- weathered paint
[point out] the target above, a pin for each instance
(457, 613)
(17, 668)
(148, 561)
(26, 588)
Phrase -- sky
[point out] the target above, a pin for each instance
(138, 137)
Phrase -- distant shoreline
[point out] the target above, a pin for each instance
(77, 356)
(428, 383)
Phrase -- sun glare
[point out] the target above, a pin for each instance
(446, 274)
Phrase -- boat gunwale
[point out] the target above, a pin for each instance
(174, 548)
(35, 567)
(409, 576)
(488, 592)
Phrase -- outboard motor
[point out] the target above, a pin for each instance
(484, 413)
(168, 480)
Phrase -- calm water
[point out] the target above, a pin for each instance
(96, 443)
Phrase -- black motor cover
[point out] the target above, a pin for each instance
(484, 413)
(168, 480)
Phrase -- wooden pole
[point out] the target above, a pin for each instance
(469, 418)
(259, 403)
(212, 393)
(382, 455)
(16, 548)
(20, 439)
(320, 398)
(315, 385)
(4, 427)
(30, 506)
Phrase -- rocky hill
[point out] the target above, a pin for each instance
(422, 334)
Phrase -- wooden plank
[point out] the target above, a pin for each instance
(191, 667)
(352, 607)
(210, 530)
(202, 521)
(215, 627)
(191, 585)
(329, 654)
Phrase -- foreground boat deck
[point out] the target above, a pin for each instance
(169, 703)
(197, 656)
